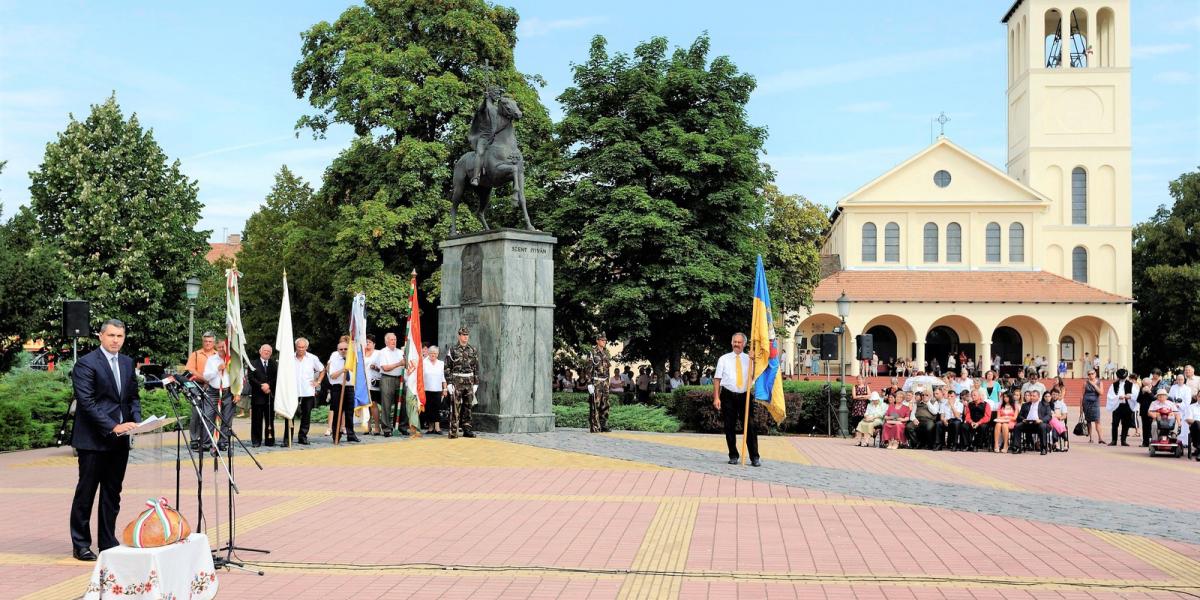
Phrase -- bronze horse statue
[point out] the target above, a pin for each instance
(495, 160)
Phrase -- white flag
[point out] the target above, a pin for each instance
(287, 397)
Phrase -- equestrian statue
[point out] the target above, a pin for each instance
(495, 160)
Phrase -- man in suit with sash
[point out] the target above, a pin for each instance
(107, 408)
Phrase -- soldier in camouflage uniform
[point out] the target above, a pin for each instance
(595, 372)
(462, 375)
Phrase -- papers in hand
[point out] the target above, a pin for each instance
(150, 424)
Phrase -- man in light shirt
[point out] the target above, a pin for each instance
(195, 365)
(371, 360)
(219, 394)
(309, 372)
(1191, 379)
(391, 365)
(434, 372)
(341, 393)
(729, 398)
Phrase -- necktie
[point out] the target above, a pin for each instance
(737, 360)
(264, 365)
(116, 371)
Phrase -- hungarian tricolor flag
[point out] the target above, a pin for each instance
(414, 369)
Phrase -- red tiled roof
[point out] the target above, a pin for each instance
(960, 286)
(219, 250)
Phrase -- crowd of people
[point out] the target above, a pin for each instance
(448, 386)
(964, 413)
(810, 363)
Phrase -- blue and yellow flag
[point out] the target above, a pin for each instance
(764, 351)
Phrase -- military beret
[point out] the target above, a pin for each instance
(601, 336)
(464, 330)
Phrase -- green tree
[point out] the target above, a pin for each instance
(1166, 280)
(406, 75)
(31, 284)
(794, 228)
(121, 220)
(658, 216)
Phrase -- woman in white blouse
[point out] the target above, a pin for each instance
(434, 371)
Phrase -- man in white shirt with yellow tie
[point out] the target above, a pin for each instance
(729, 397)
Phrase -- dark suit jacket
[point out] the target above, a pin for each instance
(259, 376)
(1044, 411)
(98, 406)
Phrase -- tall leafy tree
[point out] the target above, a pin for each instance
(121, 219)
(31, 284)
(794, 227)
(1166, 280)
(406, 75)
(659, 213)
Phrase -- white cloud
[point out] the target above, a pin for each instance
(1174, 77)
(867, 68)
(870, 106)
(235, 148)
(1158, 50)
(534, 27)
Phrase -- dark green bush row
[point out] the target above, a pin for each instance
(627, 417)
(805, 402)
(32, 404)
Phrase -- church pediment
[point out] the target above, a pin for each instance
(944, 173)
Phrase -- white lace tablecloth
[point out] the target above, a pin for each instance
(176, 572)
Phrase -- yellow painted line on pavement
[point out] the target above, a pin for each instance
(663, 549)
(771, 447)
(1155, 554)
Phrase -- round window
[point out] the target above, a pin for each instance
(942, 178)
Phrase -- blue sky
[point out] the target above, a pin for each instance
(846, 90)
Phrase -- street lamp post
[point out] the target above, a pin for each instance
(843, 309)
(193, 292)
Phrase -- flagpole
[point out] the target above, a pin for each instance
(746, 415)
(341, 415)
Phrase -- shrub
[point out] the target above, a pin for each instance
(805, 402)
(626, 417)
(571, 398)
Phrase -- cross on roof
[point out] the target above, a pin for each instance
(942, 120)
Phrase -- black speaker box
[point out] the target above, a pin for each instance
(76, 319)
(829, 346)
(866, 346)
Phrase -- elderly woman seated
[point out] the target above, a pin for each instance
(898, 413)
(872, 420)
(1164, 415)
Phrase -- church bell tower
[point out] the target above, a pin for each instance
(1069, 131)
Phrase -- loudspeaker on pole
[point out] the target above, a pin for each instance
(77, 319)
(866, 345)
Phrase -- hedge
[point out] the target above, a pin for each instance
(805, 402)
(627, 417)
(32, 404)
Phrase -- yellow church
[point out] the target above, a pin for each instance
(946, 253)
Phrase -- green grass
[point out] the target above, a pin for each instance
(626, 417)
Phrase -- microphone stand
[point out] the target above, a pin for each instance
(228, 561)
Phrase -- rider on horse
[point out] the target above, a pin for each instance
(483, 129)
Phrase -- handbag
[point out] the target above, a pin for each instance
(1080, 429)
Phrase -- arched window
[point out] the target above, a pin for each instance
(891, 242)
(1079, 193)
(1079, 41)
(1079, 264)
(954, 243)
(1106, 32)
(1053, 39)
(992, 242)
(869, 242)
(931, 242)
(1016, 243)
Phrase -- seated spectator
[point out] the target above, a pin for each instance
(1165, 414)
(991, 390)
(952, 419)
(706, 378)
(1031, 383)
(895, 420)
(1005, 416)
(676, 381)
(925, 426)
(872, 420)
(1034, 418)
(1180, 391)
(976, 419)
(962, 382)
(1061, 414)
(1190, 430)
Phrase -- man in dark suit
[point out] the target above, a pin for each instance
(262, 393)
(107, 407)
(1034, 417)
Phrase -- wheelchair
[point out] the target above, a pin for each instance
(1163, 435)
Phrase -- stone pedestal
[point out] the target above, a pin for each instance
(500, 283)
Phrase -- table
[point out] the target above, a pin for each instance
(178, 571)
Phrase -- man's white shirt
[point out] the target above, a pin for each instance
(727, 371)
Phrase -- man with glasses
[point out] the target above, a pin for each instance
(341, 392)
